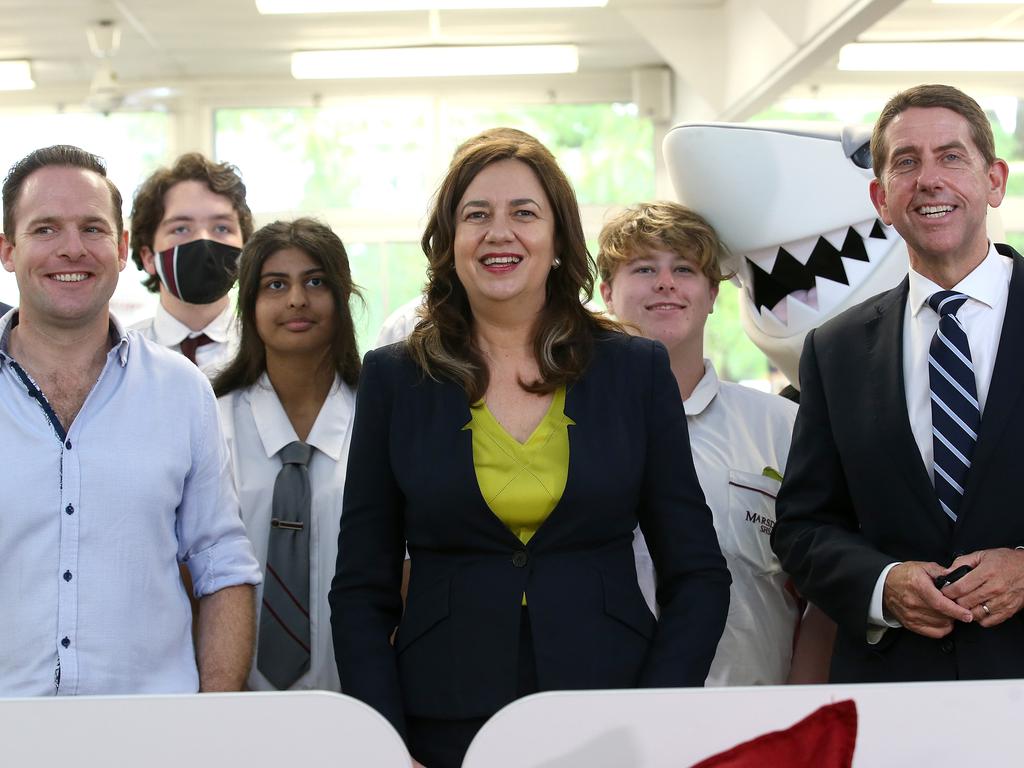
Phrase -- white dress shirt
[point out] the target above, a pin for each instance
(95, 521)
(987, 288)
(735, 434)
(167, 331)
(257, 428)
(399, 324)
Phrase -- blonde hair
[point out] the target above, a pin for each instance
(665, 225)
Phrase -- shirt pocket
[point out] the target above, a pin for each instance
(745, 532)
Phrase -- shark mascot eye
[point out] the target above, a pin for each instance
(792, 207)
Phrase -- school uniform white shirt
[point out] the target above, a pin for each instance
(736, 433)
(987, 288)
(257, 428)
(167, 331)
(399, 324)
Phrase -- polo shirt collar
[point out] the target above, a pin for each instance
(704, 392)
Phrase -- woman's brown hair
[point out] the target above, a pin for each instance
(443, 342)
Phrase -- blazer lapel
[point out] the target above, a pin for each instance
(885, 372)
(471, 505)
(1007, 382)
(550, 526)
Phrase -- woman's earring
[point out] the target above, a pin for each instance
(556, 263)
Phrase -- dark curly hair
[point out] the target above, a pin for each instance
(148, 205)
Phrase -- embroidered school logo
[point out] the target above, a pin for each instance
(765, 524)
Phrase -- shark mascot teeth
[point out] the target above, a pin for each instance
(792, 207)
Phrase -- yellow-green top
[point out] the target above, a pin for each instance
(521, 482)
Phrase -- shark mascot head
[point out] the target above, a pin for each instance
(792, 206)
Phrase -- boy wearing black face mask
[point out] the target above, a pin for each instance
(188, 225)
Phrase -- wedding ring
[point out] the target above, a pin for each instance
(984, 607)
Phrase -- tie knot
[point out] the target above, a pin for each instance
(296, 453)
(946, 302)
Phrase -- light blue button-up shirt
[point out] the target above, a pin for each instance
(94, 522)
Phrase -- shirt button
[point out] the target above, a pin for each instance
(66, 642)
(69, 509)
(946, 646)
(520, 558)
(67, 444)
(67, 575)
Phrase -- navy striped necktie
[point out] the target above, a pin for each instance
(956, 414)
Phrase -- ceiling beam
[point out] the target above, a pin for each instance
(732, 60)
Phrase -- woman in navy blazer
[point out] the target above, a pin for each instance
(489, 618)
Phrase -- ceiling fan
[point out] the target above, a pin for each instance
(106, 93)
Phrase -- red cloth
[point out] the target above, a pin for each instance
(824, 739)
(191, 344)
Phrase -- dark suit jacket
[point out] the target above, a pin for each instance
(4, 309)
(857, 496)
(411, 477)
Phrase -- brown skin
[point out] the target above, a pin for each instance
(812, 651)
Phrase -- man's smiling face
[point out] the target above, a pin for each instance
(936, 186)
(66, 251)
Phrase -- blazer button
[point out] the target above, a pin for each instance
(520, 558)
(946, 645)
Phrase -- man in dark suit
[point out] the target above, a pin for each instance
(904, 465)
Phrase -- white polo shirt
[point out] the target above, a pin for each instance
(736, 433)
(257, 427)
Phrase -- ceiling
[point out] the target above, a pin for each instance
(730, 58)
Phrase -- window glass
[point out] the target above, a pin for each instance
(370, 169)
(388, 275)
(374, 155)
(605, 149)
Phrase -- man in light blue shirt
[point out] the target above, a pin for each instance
(113, 467)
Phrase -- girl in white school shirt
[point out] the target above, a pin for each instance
(293, 379)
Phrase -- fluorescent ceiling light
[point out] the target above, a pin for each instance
(16, 76)
(435, 61)
(993, 56)
(374, 6)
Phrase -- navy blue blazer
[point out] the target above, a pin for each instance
(857, 496)
(4, 309)
(411, 479)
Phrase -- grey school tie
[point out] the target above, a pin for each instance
(283, 654)
(956, 416)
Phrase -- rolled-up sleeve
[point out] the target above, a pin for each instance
(211, 536)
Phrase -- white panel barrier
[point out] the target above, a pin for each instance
(929, 724)
(923, 724)
(253, 730)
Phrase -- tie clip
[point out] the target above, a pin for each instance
(286, 524)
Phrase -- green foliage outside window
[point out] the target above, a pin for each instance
(388, 157)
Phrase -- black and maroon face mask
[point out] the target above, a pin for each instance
(199, 272)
